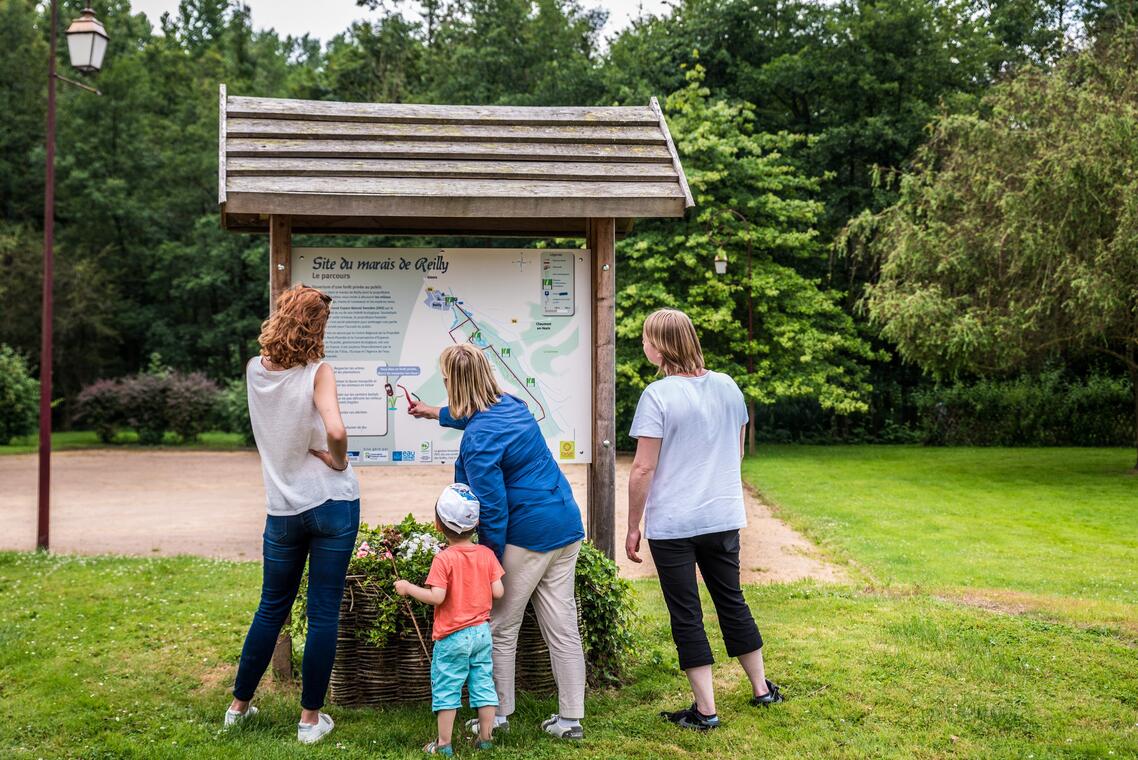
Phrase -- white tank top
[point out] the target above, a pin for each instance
(286, 425)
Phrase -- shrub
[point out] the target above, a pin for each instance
(233, 411)
(1043, 410)
(100, 407)
(19, 396)
(145, 405)
(192, 401)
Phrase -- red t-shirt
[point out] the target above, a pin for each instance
(466, 571)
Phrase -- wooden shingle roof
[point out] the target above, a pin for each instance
(374, 167)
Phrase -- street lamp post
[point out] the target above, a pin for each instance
(721, 269)
(86, 44)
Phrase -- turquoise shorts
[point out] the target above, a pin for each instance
(463, 657)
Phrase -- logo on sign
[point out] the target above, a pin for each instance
(568, 448)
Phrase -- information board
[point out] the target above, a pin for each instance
(395, 309)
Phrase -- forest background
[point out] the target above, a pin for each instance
(792, 119)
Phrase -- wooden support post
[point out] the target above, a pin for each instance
(280, 257)
(601, 240)
(280, 276)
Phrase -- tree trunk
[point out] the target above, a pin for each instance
(751, 427)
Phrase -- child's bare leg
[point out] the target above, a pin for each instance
(486, 722)
(446, 726)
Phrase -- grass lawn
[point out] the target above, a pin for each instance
(1050, 529)
(86, 439)
(131, 658)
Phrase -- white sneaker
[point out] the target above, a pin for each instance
(563, 729)
(500, 724)
(307, 733)
(232, 717)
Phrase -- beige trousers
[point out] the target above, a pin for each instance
(548, 580)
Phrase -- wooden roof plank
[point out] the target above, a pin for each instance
(299, 129)
(450, 187)
(327, 204)
(270, 108)
(280, 148)
(368, 167)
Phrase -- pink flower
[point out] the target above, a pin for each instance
(361, 553)
(387, 555)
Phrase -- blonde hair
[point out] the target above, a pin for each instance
(471, 385)
(672, 333)
(294, 334)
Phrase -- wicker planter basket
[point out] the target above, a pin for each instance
(366, 675)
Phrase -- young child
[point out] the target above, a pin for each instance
(464, 581)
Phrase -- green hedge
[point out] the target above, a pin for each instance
(1046, 410)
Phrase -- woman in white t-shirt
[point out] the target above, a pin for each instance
(686, 484)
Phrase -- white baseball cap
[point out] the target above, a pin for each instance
(458, 507)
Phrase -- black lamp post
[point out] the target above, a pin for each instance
(86, 44)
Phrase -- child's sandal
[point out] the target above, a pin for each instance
(434, 748)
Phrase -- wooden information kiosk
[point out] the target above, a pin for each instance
(294, 166)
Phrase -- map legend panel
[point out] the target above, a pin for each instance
(557, 283)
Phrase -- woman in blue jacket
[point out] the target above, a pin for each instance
(528, 518)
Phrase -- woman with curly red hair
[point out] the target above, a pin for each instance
(313, 501)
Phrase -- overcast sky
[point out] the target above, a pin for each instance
(326, 18)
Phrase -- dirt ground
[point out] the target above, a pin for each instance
(212, 504)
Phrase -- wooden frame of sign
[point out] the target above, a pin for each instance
(295, 166)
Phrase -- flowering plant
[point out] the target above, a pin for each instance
(382, 554)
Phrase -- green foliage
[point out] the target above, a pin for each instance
(1045, 410)
(756, 208)
(19, 396)
(1015, 233)
(233, 410)
(383, 554)
(606, 614)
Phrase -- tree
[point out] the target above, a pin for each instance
(766, 324)
(1016, 234)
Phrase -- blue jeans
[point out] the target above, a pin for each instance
(325, 537)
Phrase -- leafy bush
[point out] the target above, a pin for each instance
(606, 611)
(1044, 410)
(100, 407)
(145, 406)
(192, 401)
(19, 396)
(233, 411)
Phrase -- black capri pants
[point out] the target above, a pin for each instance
(717, 555)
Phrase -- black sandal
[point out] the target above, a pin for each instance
(772, 696)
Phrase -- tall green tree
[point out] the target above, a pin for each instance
(1016, 234)
(775, 330)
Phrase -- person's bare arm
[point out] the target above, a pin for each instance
(497, 589)
(328, 406)
(433, 596)
(639, 481)
(742, 448)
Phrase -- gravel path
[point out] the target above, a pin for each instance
(212, 504)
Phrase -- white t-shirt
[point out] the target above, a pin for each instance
(697, 487)
(286, 425)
